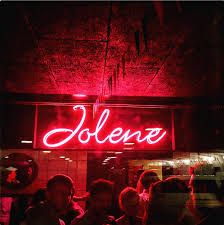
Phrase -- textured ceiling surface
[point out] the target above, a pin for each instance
(112, 48)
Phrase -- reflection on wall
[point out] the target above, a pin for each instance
(18, 170)
(50, 163)
(182, 162)
(180, 165)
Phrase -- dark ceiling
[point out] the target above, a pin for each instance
(170, 49)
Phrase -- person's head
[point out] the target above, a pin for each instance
(129, 201)
(205, 192)
(100, 195)
(167, 201)
(147, 178)
(60, 190)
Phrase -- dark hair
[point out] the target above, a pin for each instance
(148, 177)
(126, 194)
(167, 200)
(99, 186)
(171, 185)
(39, 196)
(62, 179)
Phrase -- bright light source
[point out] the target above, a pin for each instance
(109, 158)
(70, 160)
(118, 153)
(62, 157)
(6, 157)
(11, 168)
(129, 143)
(79, 95)
(47, 152)
(171, 163)
(186, 161)
(67, 159)
(113, 157)
(30, 160)
(105, 160)
(26, 142)
(210, 159)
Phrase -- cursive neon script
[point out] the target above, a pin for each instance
(117, 135)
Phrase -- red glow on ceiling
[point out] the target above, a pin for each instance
(115, 136)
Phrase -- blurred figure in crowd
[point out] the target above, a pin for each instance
(5, 208)
(147, 178)
(100, 200)
(18, 209)
(129, 204)
(58, 206)
(207, 197)
(38, 197)
(167, 203)
(139, 186)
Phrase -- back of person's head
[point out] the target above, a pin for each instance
(100, 186)
(147, 178)
(129, 201)
(60, 191)
(167, 201)
(60, 179)
(205, 190)
(101, 195)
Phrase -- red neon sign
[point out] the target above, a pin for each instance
(117, 135)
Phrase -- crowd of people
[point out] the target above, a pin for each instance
(171, 201)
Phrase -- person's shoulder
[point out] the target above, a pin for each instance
(110, 220)
(144, 197)
(188, 218)
(41, 214)
(125, 220)
(33, 210)
(79, 220)
(76, 208)
(61, 222)
(121, 220)
(38, 209)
